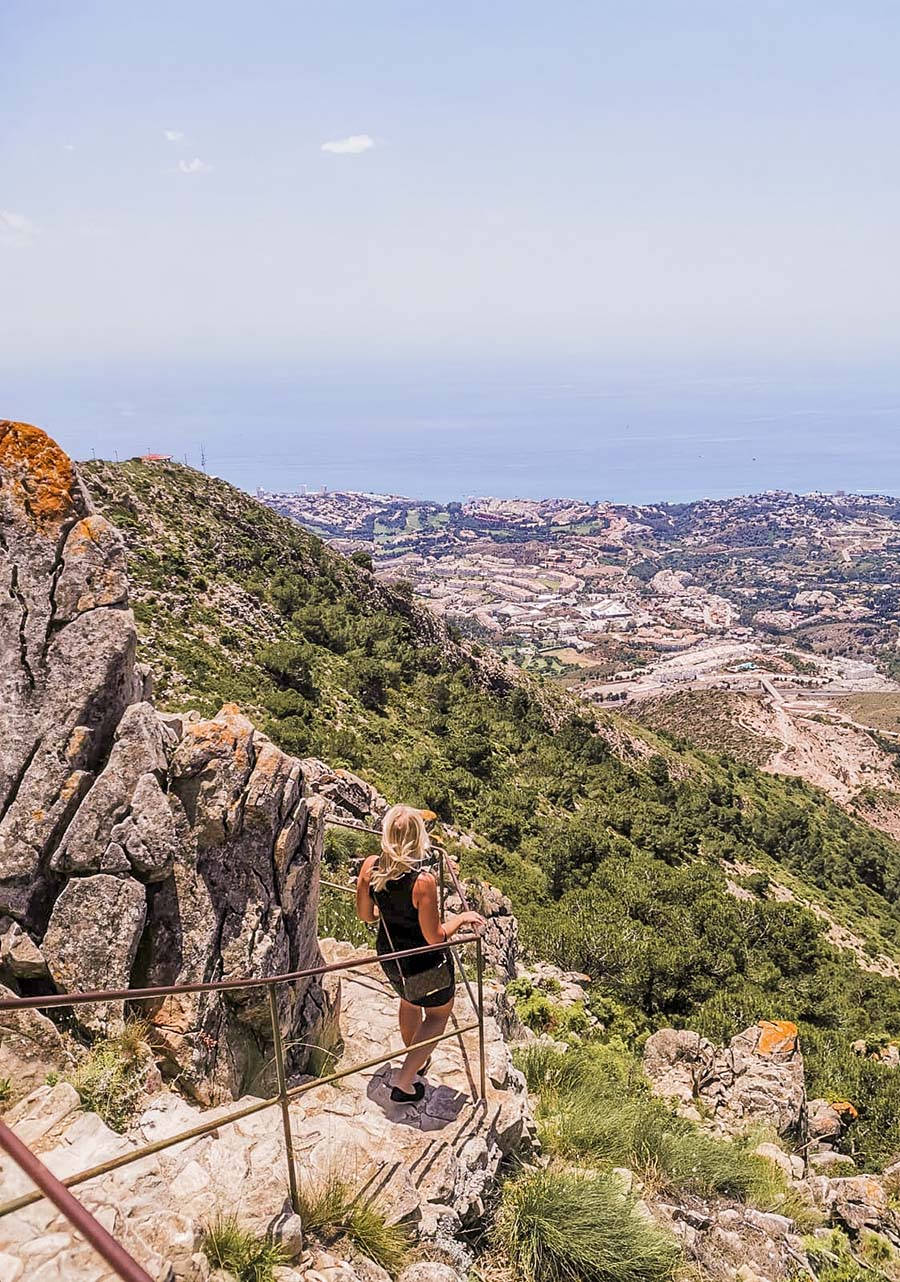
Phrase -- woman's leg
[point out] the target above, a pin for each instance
(410, 1021)
(432, 1025)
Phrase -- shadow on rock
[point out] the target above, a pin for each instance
(440, 1105)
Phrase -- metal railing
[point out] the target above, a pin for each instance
(57, 1190)
(106, 1246)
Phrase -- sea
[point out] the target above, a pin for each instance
(580, 430)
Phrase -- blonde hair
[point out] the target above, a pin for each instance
(403, 843)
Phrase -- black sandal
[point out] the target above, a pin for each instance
(425, 1067)
(403, 1097)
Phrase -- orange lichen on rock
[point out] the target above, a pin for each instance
(42, 475)
(88, 530)
(428, 815)
(845, 1108)
(776, 1037)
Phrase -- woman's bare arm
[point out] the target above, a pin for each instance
(426, 901)
(365, 905)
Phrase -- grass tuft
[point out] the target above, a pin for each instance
(110, 1077)
(557, 1226)
(329, 1207)
(249, 1257)
(595, 1108)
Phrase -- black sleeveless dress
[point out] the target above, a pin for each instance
(398, 925)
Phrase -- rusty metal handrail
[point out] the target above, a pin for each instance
(78, 1216)
(285, 1093)
(51, 1002)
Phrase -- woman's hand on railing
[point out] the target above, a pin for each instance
(455, 923)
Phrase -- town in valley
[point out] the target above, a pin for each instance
(795, 593)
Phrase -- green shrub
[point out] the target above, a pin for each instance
(110, 1076)
(557, 1226)
(287, 662)
(595, 1107)
(537, 1011)
(338, 919)
(5, 1091)
(833, 1260)
(247, 1256)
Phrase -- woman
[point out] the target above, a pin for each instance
(393, 890)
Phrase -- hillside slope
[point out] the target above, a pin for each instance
(823, 743)
(676, 878)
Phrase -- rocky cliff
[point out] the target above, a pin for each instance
(135, 848)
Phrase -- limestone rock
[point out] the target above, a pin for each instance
(500, 940)
(30, 1047)
(240, 901)
(65, 678)
(93, 569)
(137, 754)
(429, 1271)
(678, 1063)
(758, 1077)
(348, 796)
(827, 1121)
(777, 1156)
(147, 836)
(287, 1230)
(92, 940)
(19, 954)
(856, 1201)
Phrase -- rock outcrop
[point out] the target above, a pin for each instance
(135, 847)
(757, 1078)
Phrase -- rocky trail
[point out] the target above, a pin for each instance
(428, 1167)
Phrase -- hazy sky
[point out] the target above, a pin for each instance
(368, 181)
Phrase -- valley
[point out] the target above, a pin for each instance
(628, 602)
(763, 626)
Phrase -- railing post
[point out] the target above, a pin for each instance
(283, 1099)
(441, 886)
(479, 961)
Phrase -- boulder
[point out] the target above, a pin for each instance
(429, 1271)
(767, 1082)
(30, 1048)
(758, 1077)
(825, 1122)
(19, 954)
(92, 940)
(856, 1201)
(679, 1063)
